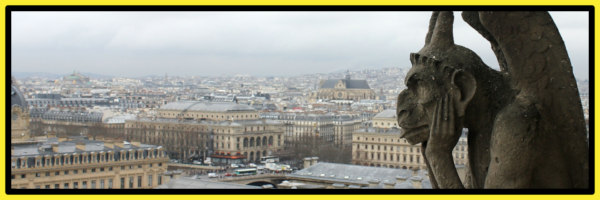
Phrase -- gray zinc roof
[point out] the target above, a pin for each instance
(192, 183)
(67, 147)
(206, 106)
(355, 173)
(350, 84)
(389, 113)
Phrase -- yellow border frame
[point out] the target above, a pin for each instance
(4, 76)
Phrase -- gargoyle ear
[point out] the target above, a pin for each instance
(463, 87)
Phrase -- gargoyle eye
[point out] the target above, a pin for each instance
(412, 81)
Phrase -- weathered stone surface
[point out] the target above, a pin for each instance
(525, 122)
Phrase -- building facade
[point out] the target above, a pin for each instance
(86, 164)
(225, 132)
(380, 145)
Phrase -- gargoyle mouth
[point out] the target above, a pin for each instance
(416, 135)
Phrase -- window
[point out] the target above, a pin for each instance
(102, 169)
(159, 180)
(37, 175)
(75, 172)
(66, 185)
(131, 182)
(12, 176)
(149, 180)
(101, 183)
(56, 173)
(93, 186)
(139, 166)
(23, 176)
(84, 184)
(110, 168)
(110, 183)
(160, 164)
(122, 183)
(93, 170)
(139, 181)
(75, 185)
(47, 173)
(56, 186)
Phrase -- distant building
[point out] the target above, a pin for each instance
(345, 90)
(76, 79)
(78, 163)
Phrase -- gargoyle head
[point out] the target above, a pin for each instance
(439, 68)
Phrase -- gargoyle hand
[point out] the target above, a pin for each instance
(443, 136)
(445, 128)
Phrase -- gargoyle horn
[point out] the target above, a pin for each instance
(440, 30)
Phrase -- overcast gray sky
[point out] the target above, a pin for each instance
(257, 43)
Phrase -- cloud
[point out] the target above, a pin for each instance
(216, 43)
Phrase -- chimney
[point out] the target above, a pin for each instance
(166, 178)
(55, 148)
(387, 184)
(176, 174)
(415, 171)
(307, 162)
(314, 161)
(416, 182)
(80, 146)
(374, 183)
(400, 179)
(135, 144)
(110, 145)
(120, 144)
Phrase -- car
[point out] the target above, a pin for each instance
(212, 175)
(228, 174)
(234, 165)
(251, 165)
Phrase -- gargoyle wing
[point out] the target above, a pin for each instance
(532, 54)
